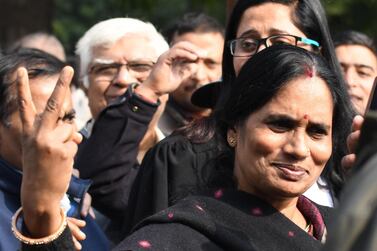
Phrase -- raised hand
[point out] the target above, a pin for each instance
(172, 68)
(49, 144)
(349, 160)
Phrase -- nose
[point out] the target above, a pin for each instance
(200, 75)
(351, 78)
(124, 78)
(261, 47)
(296, 146)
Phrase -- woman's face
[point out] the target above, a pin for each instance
(283, 147)
(263, 21)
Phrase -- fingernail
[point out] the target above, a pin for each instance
(68, 74)
(20, 72)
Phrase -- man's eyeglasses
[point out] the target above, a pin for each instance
(246, 46)
(108, 72)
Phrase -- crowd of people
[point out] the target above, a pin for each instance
(199, 138)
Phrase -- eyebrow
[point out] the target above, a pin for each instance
(110, 61)
(289, 119)
(70, 114)
(358, 66)
(253, 32)
(103, 61)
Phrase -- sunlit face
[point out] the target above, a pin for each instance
(262, 21)
(41, 89)
(107, 83)
(359, 65)
(282, 148)
(208, 68)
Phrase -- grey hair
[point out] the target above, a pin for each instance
(108, 32)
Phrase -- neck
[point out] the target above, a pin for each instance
(288, 207)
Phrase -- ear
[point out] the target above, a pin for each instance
(231, 137)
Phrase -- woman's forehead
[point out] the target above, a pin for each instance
(268, 19)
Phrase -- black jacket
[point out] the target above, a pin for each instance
(108, 156)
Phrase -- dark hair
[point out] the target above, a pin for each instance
(37, 63)
(265, 74)
(309, 16)
(351, 37)
(193, 22)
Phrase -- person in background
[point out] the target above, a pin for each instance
(357, 56)
(51, 44)
(43, 41)
(114, 55)
(117, 56)
(207, 34)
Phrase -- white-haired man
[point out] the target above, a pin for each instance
(117, 57)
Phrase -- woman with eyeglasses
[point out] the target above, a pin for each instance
(282, 127)
(184, 163)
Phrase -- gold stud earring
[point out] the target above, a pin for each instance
(231, 141)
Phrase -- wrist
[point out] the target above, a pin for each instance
(147, 93)
(51, 218)
(35, 239)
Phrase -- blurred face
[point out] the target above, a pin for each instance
(262, 21)
(208, 69)
(114, 68)
(41, 89)
(359, 65)
(282, 148)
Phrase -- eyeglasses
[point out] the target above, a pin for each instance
(108, 72)
(246, 46)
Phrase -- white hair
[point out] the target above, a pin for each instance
(108, 32)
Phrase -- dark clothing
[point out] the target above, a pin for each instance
(10, 189)
(230, 220)
(356, 215)
(172, 118)
(64, 242)
(108, 156)
(170, 171)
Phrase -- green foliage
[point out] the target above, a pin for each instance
(73, 18)
(358, 15)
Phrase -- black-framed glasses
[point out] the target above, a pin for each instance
(246, 46)
(107, 72)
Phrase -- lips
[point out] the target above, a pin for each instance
(289, 171)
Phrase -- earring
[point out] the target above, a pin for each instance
(231, 141)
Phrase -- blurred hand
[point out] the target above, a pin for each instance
(352, 140)
(172, 67)
(48, 147)
(77, 235)
(87, 206)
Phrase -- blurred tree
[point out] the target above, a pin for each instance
(73, 18)
(352, 14)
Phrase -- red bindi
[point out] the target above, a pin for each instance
(309, 72)
(306, 117)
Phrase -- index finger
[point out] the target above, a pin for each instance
(55, 103)
(26, 106)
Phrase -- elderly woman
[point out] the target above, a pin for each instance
(282, 122)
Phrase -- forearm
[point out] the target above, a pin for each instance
(109, 155)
